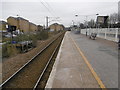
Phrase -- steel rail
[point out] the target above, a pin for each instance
(19, 70)
(37, 83)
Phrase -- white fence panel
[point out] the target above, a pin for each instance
(105, 33)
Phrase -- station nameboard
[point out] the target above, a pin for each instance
(102, 19)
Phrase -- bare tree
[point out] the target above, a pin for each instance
(113, 19)
(91, 23)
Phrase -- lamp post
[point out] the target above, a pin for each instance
(77, 25)
(86, 24)
(96, 22)
(73, 22)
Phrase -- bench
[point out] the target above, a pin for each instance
(93, 36)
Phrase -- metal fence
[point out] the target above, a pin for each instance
(105, 33)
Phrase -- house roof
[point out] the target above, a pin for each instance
(32, 23)
(3, 22)
(20, 18)
(39, 25)
(54, 24)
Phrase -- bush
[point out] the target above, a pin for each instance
(42, 35)
(4, 51)
(9, 50)
(23, 37)
(33, 38)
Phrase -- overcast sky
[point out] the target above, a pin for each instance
(36, 10)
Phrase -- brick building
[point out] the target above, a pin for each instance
(33, 27)
(3, 26)
(56, 27)
(20, 23)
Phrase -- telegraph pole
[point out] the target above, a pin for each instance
(47, 22)
(86, 25)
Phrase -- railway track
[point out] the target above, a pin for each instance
(31, 74)
(46, 72)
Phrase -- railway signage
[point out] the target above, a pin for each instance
(102, 19)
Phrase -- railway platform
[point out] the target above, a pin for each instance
(71, 68)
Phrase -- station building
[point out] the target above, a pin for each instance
(20, 23)
(56, 27)
(33, 27)
(39, 27)
(3, 26)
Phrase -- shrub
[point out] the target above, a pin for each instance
(42, 35)
(4, 51)
(9, 50)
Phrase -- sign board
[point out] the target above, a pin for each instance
(102, 19)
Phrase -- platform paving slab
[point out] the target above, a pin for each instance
(70, 70)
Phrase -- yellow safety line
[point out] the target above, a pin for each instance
(90, 67)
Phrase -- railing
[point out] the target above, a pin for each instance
(105, 33)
